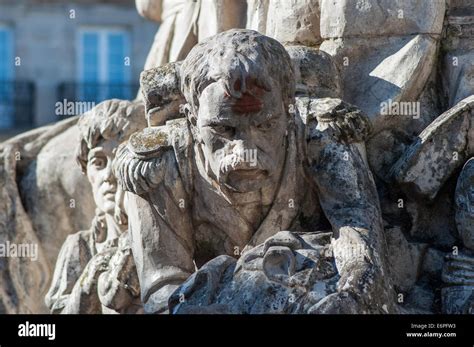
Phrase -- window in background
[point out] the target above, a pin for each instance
(103, 69)
(7, 108)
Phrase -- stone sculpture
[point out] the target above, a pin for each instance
(189, 178)
(457, 44)
(269, 172)
(290, 22)
(95, 272)
(458, 271)
(41, 203)
(51, 197)
(183, 24)
(289, 273)
(425, 174)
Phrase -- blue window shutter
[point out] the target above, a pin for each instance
(7, 106)
(104, 74)
(6, 55)
(118, 74)
(90, 57)
(90, 65)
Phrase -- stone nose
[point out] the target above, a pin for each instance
(109, 173)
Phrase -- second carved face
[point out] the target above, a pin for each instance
(101, 177)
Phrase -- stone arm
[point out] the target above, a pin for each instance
(161, 90)
(438, 152)
(159, 217)
(150, 9)
(349, 199)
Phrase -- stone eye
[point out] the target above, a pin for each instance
(98, 162)
(224, 129)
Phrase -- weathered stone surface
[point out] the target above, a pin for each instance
(458, 46)
(405, 259)
(294, 21)
(421, 300)
(185, 23)
(465, 205)
(69, 197)
(458, 271)
(383, 69)
(38, 186)
(387, 54)
(95, 272)
(24, 276)
(203, 197)
(360, 151)
(458, 300)
(439, 150)
(161, 93)
(316, 73)
(368, 18)
(150, 9)
(289, 273)
(257, 13)
(433, 263)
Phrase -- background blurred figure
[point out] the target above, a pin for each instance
(186, 22)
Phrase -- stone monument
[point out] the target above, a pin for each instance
(194, 179)
(319, 161)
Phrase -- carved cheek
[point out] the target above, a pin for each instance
(98, 182)
(470, 196)
(97, 179)
(91, 174)
(467, 236)
(95, 185)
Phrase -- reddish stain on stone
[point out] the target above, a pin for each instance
(251, 100)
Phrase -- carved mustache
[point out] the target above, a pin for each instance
(236, 161)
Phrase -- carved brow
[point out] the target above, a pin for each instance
(94, 151)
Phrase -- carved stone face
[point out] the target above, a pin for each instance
(100, 175)
(465, 204)
(242, 139)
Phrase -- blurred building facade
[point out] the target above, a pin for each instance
(58, 58)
